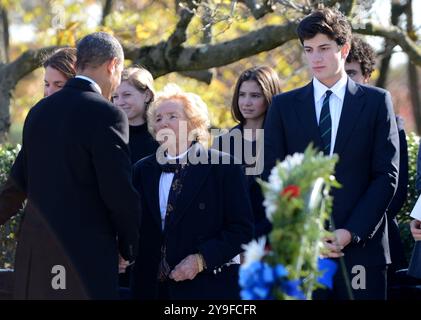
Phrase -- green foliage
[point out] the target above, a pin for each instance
(403, 216)
(298, 204)
(8, 231)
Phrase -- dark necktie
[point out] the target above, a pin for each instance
(179, 171)
(325, 124)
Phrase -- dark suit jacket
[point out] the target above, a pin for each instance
(212, 216)
(262, 225)
(396, 247)
(367, 143)
(74, 168)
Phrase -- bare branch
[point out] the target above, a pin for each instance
(106, 10)
(4, 36)
(201, 75)
(26, 63)
(395, 34)
(203, 57)
(179, 35)
(257, 10)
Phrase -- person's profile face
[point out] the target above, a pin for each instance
(353, 69)
(325, 58)
(54, 80)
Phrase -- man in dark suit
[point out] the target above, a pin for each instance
(74, 168)
(357, 123)
(359, 66)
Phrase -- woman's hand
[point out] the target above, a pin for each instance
(187, 269)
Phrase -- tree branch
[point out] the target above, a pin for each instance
(4, 36)
(258, 11)
(203, 57)
(395, 34)
(200, 75)
(106, 10)
(26, 63)
(179, 35)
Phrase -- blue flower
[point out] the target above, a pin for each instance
(258, 279)
(328, 268)
(293, 289)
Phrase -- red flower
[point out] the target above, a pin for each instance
(291, 191)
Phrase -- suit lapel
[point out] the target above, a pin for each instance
(306, 112)
(151, 179)
(192, 183)
(351, 110)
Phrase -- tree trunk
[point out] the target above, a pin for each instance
(413, 79)
(4, 36)
(415, 95)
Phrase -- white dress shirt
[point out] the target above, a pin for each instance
(91, 81)
(336, 101)
(165, 182)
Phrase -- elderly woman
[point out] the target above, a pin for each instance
(196, 214)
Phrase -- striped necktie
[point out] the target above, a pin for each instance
(325, 124)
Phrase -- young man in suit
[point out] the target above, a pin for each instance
(359, 66)
(74, 168)
(356, 122)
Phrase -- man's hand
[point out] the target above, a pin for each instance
(335, 243)
(122, 264)
(416, 229)
(187, 269)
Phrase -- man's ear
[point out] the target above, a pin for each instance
(345, 50)
(112, 65)
(366, 79)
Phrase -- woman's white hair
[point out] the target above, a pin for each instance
(194, 107)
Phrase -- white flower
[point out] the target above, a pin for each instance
(291, 162)
(275, 181)
(270, 208)
(254, 251)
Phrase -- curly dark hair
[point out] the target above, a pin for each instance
(330, 22)
(362, 53)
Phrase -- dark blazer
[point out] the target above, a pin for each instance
(262, 225)
(212, 216)
(74, 168)
(367, 143)
(396, 247)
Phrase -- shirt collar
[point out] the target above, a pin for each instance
(91, 81)
(338, 89)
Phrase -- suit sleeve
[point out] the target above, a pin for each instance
(401, 192)
(111, 159)
(418, 179)
(369, 211)
(238, 221)
(11, 200)
(13, 191)
(274, 141)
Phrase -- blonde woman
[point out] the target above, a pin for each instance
(197, 213)
(134, 95)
